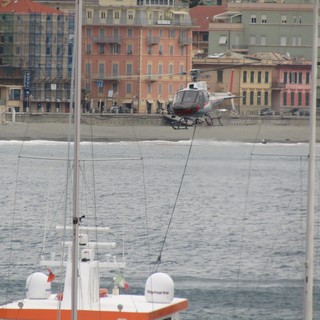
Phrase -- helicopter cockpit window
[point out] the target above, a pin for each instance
(190, 96)
(201, 97)
(178, 97)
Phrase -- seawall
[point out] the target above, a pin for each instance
(154, 119)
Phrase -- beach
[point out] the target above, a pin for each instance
(107, 133)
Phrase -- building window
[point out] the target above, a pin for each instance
(251, 98)
(88, 69)
(115, 87)
(117, 15)
(14, 94)
(149, 88)
(285, 99)
(130, 15)
(300, 78)
(129, 49)
(170, 70)
(172, 34)
(101, 70)
(285, 77)
(259, 98)
(253, 19)
(89, 14)
(252, 76)
(299, 98)
(283, 41)
(88, 48)
(130, 33)
(292, 98)
(128, 88)
(259, 76)
(115, 49)
(263, 19)
(253, 40)
(115, 69)
(263, 40)
(159, 88)
(266, 77)
(101, 48)
(307, 77)
(88, 32)
(102, 15)
(283, 19)
(244, 97)
(299, 41)
(223, 39)
(160, 70)
(170, 88)
(266, 98)
(171, 50)
(220, 76)
(129, 69)
(244, 76)
(293, 77)
(307, 99)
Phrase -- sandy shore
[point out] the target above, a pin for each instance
(245, 133)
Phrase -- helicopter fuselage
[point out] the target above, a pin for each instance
(191, 102)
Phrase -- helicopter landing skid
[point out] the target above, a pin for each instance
(210, 120)
(185, 122)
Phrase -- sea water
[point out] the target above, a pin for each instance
(226, 220)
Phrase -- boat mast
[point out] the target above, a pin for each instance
(309, 264)
(77, 110)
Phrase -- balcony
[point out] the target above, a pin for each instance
(277, 85)
(105, 77)
(151, 78)
(153, 40)
(106, 39)
(184, 41)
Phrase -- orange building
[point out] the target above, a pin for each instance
(135, 56)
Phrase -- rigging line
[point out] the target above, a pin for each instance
(280, 155)
(176, 201)
(94, 185)
(242, 237)
(47, 230)
(145, 197)
(256, 137)
(81, 160)
(11, 234)
(145, 206)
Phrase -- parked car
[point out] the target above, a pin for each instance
(266, 112)
(300, 112)
(114, 109)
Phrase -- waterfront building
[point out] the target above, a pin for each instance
(201, 16)
(135, 53)
(261, 80)
(264, 26)
(35, 39)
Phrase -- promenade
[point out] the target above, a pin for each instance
(96, 128)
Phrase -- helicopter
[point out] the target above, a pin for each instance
(194, 103)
